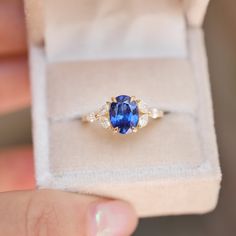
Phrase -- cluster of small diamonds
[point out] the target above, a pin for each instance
(145, 112)
(101, 116)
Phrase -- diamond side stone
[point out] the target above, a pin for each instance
(143, 120)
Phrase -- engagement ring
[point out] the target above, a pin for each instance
(124, 114)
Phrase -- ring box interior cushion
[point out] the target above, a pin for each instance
(152, 49)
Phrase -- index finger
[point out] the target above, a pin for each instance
(47, 212)
(14, 84)
(16, 169)
(12, 28)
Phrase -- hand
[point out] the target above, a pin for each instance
(41, 212)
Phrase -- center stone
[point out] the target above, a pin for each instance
(124, 114)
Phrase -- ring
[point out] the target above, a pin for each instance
(123, 114)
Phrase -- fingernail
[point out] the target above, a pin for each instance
(114, 218)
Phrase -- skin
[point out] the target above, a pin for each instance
(24, 210)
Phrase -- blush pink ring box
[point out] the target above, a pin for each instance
(82, 52)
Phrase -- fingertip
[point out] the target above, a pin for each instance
(115, 218)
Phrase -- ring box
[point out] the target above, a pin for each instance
(83, 52)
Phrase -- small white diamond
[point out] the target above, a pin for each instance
(143, 120)
(143, 107)
(91, 117)
(104, 121)
(155, 113)
(103, 110)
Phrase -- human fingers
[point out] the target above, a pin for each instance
(16, 169)
(14, 84)
(12, 28)
(48, 212)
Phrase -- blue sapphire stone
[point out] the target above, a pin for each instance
(124, 114)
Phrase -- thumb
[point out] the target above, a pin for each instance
(56, 213)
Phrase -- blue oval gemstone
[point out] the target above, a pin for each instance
(124, 114)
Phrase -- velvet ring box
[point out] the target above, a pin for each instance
(82, 52)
